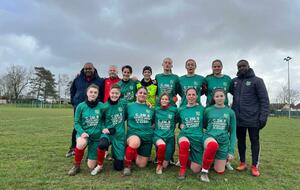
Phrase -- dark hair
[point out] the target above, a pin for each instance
(93, 86)
(191, 88)
(217, 61)
(127, 67)
(115, 86)
(147, 68)
(213, 102)
(243, 61)
(164, 94)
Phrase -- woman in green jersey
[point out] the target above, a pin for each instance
(140, 119)
(113, 132)
(128, 85)
(216, 80)
(190, 80)
(220, 135)
(191, 134)
(88, 125)
(163, 138)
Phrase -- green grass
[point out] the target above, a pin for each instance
(33, 143)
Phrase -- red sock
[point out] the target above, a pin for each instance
(129, 156)
(100, 156)
(209, 154)
(78, 156)
(161, 150)
(184, 147)
(189, 163)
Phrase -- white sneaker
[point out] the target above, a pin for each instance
(204, 177)
(159, 170)
(96, 170)
(177, 163)
(229, 167)
(127, 172)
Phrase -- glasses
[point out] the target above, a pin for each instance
(88, 69)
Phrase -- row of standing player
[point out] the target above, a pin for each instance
(172, 84)
(218, 140)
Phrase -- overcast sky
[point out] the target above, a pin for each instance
(63, 35)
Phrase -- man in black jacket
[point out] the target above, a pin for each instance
(251, 106)
(88, 75)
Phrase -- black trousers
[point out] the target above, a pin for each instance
(254, 139)
(74, 132)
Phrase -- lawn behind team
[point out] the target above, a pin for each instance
(33, 143)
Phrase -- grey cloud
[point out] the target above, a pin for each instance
(144, 32)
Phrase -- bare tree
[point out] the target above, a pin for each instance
(15, 81)
(3, 90)
(283, 95)
(63, 85)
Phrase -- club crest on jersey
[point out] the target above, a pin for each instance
(120, 109)
(131, 87)
(195, 83)
(147, 111)
(169, 116)
(198, 113)
(171, 81)
(97, 111)
(248, 83)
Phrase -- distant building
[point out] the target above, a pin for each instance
(3, 101)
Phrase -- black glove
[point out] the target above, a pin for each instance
(262, 124)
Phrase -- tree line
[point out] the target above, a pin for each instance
(38, 83)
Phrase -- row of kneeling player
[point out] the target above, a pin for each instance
(206, 135)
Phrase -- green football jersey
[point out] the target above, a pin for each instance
(128, 89)
(140, 119)
(89, 120)
(213, 82)
(114, 116)
(165, 122)
(167, 83)
(220, 123)
(186, 82)
(192, 119)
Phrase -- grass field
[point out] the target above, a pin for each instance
(33, 143)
